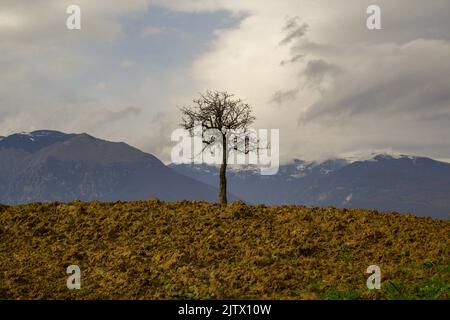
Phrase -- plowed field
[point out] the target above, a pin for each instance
(196, 250)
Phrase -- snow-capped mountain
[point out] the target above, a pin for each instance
(366, 155)
(252, 187)
(32, 141)
(54, 166)
(392, 182)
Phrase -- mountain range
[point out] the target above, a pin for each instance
(53, 166)
(46, 165)
(385, 182)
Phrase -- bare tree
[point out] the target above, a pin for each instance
(220, 112)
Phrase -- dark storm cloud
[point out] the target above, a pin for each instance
(294, 59)
(280, 97)
(294, 30)
(415, 87)
(316, 71)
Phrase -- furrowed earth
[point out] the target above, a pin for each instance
(197, 250)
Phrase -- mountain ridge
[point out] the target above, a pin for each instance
(49, 165)
(406, 183)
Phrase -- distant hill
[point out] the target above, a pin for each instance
(400, 183)
(54, 166)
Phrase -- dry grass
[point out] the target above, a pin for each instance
(196, 250)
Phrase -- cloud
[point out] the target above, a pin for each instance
(350, 87)
(294, 30)
(150, 31)
(282, 96)
(310, 68)
(163, 123)
(127, 63)
(294, 59)
(392, 80)
(44, 21)
(317, 71)
(14, 123)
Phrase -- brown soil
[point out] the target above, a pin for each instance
(196, 250)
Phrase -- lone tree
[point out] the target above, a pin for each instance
(220, 112)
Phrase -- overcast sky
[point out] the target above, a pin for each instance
(308, 67)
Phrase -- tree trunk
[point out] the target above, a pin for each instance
(223, 173)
